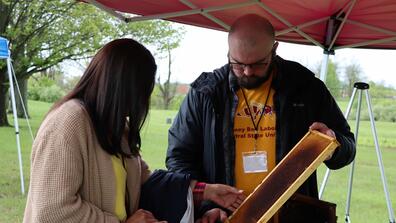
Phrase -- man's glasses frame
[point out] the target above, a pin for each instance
(238, 66)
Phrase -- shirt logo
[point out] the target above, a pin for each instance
(257, 109)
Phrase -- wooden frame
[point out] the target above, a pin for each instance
(281, 183)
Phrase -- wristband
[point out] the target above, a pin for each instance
(198, 192)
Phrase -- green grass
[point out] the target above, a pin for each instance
(368, 201)
(12, 202)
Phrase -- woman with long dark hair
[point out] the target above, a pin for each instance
(85, 163)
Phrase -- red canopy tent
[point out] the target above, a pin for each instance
(329, 24)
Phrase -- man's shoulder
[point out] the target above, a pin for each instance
(289, 66)
(208, 81)
(295, 74)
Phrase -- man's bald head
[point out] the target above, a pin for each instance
(252, 48)
(251, 29)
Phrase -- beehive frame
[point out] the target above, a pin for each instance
(281, 183)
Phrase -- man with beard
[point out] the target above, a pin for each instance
(239, 121)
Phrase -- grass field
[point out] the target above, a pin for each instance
(368, 201)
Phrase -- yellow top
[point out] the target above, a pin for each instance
(120, 175)
(244, 132)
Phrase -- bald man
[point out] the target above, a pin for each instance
(239, 121)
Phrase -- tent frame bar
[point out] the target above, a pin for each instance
(297, 28)
(330, 47)
(370, 27)
(366, 43)
(283, 20)
(107, 9)
(301, 26)
(191, 11)
(207, 15)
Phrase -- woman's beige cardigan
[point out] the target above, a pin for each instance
(72, 177)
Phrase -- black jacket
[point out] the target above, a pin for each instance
(201, 139)
(164, 194)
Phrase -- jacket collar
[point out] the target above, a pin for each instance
(207, 82)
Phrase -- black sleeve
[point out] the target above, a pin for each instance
(165, 195)
(185, 138)
(331, 115)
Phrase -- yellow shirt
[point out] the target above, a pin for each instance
(120, 175)
(244, 132)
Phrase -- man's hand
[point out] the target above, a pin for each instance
(223, 195)
(321, 127)
(213, 216)
(143, 216)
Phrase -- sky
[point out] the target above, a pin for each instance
(204, 50)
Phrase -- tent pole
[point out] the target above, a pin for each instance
(14, 111)
(323, 74)
(323, 70)
(379, 159)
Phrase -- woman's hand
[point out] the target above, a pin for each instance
(223, 195)
(213, 216)
(143, 216)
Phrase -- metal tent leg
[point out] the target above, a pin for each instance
(362, 87)
(380, 162)
(16, 123)
(327, 175)
(352, 170)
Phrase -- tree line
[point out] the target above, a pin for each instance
(52, 85)
(43, 34)
(341, 87)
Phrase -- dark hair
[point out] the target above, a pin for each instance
(117, 84)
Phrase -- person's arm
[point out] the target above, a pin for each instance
(145, 170)
(143, 216)
(185, 140)
(331, 115)
(213, 216)
(56, 178)
(226, 196)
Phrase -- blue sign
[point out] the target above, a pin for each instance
(4, 53)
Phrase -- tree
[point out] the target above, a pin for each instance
(164, 47)
(42, 34)
(333, 82)
(352, 75)
(166, 89)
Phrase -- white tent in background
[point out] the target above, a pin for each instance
(5, 54)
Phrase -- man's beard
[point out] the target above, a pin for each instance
(254, 81)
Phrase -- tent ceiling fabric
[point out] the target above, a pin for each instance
(330, 24)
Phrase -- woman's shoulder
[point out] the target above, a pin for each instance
(72, 109)
(69, 116)
(66, 126)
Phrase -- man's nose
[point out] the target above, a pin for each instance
(248, 71)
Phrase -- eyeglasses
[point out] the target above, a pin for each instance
(240, 67)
